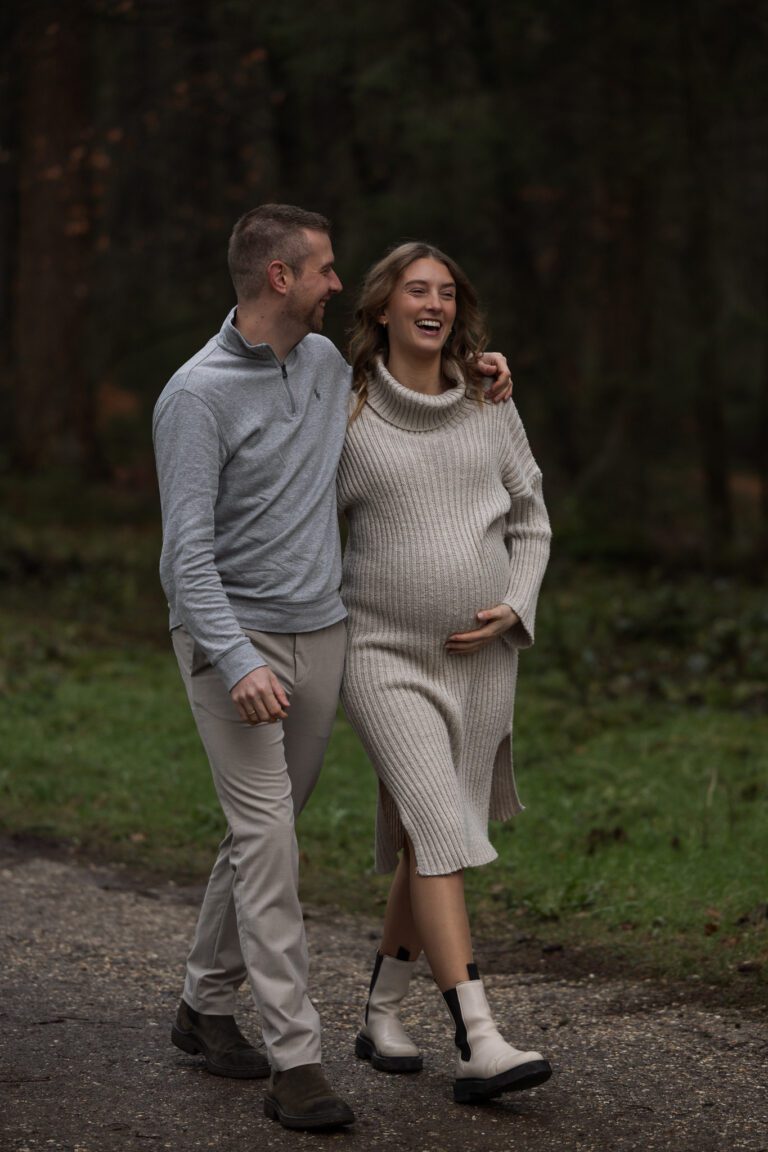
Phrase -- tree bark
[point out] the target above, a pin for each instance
(54, 411)
(762, 430)
(701, 278)
(9, 102)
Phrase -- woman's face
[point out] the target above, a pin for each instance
(420, 313)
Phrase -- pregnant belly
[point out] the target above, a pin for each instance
(436, 594)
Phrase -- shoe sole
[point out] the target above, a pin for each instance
(187, 1043)
(365, 1049)
(340, 1119)
(530, 1075)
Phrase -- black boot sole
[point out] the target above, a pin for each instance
(190, 1044)
(365, 1049)
(528, 1075)
(339, 1117)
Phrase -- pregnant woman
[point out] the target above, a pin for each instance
(447, 545)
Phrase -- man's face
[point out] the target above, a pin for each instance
(313, 284)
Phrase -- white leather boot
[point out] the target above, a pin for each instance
(382, 1039)
(486, 1065)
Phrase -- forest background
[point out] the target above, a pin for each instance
(601, 172)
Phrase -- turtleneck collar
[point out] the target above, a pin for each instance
(412, 410)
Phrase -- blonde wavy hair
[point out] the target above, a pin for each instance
(369, 339)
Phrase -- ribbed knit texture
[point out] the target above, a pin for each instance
(446, 517)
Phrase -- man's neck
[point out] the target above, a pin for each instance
(259, 324)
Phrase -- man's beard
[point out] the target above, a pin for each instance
(309, 318)
(315, 320)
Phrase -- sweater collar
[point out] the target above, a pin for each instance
(232, 339)
(414, 411)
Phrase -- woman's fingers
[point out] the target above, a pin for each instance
(497, 620)
(465, 642)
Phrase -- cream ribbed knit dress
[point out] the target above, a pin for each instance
(446, 516)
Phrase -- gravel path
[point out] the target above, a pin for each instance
(89, 980)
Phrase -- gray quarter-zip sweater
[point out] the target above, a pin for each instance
(247, 450)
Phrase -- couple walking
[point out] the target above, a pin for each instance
(259, 439)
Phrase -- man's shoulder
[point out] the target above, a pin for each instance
(319, 349)
(200, 376)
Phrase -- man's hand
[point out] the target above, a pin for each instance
(495, 622)
(495, 364)
(260, 697)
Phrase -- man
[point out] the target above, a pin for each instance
(247, 437)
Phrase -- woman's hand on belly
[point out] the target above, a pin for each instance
(496, 621)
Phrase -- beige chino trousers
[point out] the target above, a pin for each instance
(251, 923)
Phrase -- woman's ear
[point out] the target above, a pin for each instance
(382, 319)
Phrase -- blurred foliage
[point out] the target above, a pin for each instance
(660, 636)
(600, 171)
(634, 634)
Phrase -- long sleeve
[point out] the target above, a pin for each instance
(190, 453)
(527, 532)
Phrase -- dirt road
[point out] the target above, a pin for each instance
(90, 973)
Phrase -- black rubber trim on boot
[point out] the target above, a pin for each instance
(365, 1049)
(516, 1079)
(451, 998)
(374, 977)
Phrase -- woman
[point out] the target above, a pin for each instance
(448, 541)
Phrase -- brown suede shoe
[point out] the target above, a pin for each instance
(302, 1098)
(223, 1046)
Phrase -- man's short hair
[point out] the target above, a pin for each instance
(269, 232)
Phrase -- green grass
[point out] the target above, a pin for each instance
(653, 833)
(641, 748)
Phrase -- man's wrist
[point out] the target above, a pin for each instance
(238, 662)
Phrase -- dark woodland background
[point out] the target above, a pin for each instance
(599, 169)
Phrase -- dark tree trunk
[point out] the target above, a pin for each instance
(762, 431)
(9, 103)
(702, 285)
(54, 409)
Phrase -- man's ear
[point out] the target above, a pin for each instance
(277, 274)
